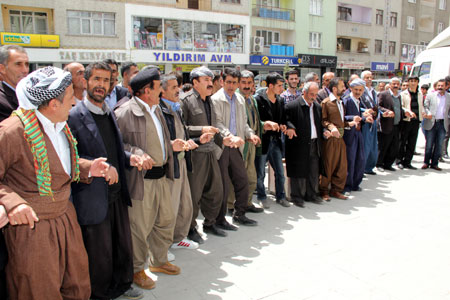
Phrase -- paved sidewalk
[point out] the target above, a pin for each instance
(390, 241)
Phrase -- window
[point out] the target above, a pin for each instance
(147, 33)
(231, 1)
(410, 23)
(315, 40)
(378, 46)
(393, 19)
(269, 3)
(207, 36)
(270, 37)
(315, 7)
(193, 4)
(343, 44)
(344, 13)
(412, 1)
(425, 69)
(178, 35)
(391, 48)
(28, 21)
(379, 17)
(440, 27)
(232, 38)
(442, 4)
(91, 23)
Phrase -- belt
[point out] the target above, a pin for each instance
(440, 120)
(155, 173)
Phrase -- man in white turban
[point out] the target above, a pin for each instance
(38, 163)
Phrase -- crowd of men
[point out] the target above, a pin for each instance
(98, 180)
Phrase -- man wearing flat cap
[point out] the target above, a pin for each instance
(38, 162)
(353, 137)
(412, 102)
(152, 220)
(205, 180)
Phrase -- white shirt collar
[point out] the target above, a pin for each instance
(147, 107)
(49, 125)
(95, 109)
(392, 94)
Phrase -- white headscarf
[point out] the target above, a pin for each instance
(42, 85)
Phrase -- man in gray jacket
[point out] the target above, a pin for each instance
(435, 123)
(232, 123)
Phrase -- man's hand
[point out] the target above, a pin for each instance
(206, 137)
(352, 123)
(369, 119)
(283, 128)
(290, 133)
(327, 134)
(356, 119)
(191, 145)
(178, 145)
(111, 175)
(22, 214)
(99, 167)
(147, 161)
(407, 114)
(429, 117)
(413, 115)
(254, 139)
(210, 129)
(237, 142)
(335, 133)
(3, 216)
(269, 125)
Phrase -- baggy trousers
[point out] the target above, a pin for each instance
(334, 164)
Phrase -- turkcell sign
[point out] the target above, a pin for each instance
(191, 57)
(273, 60)
(382, 66)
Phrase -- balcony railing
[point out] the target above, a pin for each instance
(270, 12)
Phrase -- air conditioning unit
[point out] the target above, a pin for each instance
(257, 44)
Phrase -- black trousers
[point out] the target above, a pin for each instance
(388, 147)
(110, 253)
(232, 164)
(307, 188)
(408, 139)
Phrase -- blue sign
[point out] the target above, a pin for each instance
(265, 60)
(382, 66)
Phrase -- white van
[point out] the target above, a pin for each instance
(434, 63)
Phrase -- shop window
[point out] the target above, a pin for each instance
(22, 21)
(232, 38)
(207, 36)
(344, 44)
(91, 23)
(147, 33)
(178, 35)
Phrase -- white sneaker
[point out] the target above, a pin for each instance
(170, 256)
(185, 244)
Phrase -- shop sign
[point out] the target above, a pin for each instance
(382, 66)
(30, 40)
(84, 56)
(171, 57)
(352, 65)
(264, 60)
(311, 60)
(406, 67)
(185, 68)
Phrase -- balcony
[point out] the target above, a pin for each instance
(354, 14)
(270, 12)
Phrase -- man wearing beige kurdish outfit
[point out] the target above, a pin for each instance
(152, 219)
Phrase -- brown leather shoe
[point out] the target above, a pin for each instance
(143, 281)
(325, 197)
(338, 195)
(424, 167)
(436, 168)
(167, 268)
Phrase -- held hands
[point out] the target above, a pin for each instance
(3, 216)
(388, 114)
(335, 132)
(425, 116)
(357, 119)
(191, 145)
(210, 129)
(111, 175)
(369, 119)
(144, 162)
(327, 134)
(178, 145)
(269, 125)
(290, 133)
(233, 141)
(99, 167)
(22, 214)
(206, 137)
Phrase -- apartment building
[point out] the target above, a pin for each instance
(367, 37)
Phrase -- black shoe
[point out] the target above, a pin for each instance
(358, 189)
(390, 169)
(226, 226)
(315, 199)
(243, 220)
(298, 203)
(370, 173)
(213, 229)
(195, 236)
(254, 209)
(410, 167)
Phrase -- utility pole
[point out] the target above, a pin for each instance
(386, 28)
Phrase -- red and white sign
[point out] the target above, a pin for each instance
(353, 65)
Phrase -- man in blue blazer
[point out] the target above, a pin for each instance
(353, 137)
(102, 205)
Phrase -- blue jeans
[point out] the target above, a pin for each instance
(434, 139)
(274, 156)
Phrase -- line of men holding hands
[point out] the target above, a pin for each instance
(112, 189)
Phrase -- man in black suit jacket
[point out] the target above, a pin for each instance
(115, 92)
(303, 143)
(325, 92)
(14, 66)
(102, 205)
(392, 113)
